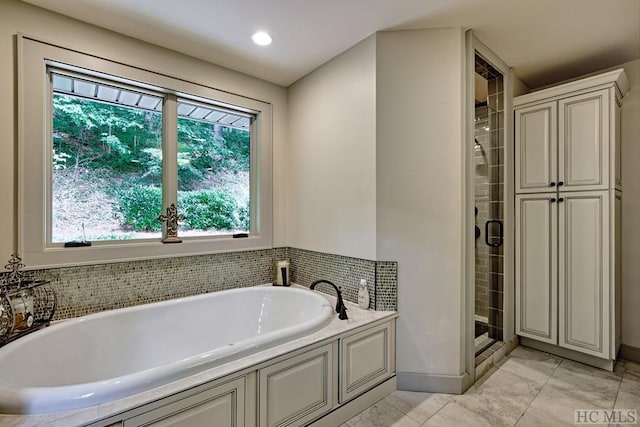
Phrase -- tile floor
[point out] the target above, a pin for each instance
(527, 388)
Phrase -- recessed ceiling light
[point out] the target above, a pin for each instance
(261, 38)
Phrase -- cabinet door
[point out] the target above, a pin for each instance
(583, 128)
(583, 244)
(297, 390)
(219, 406)
(536, 267)
(536, 148)
(365, 360)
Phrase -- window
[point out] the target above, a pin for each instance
(214, 153)
(119, 145)
(106, 174)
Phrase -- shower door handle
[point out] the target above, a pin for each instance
(500, 236)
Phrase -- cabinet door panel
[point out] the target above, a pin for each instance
(214, 412)
(583, 126)
(536, 148)
(297, 390)
(219, 406)
(584, 272)
(365, 360)
(536, 267)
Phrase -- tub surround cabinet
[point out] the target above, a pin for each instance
(568, 193)
(292, 390)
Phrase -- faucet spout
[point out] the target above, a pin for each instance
(341, 309)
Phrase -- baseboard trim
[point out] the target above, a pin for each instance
(345, 412)
(629, 353)
(569, 354)
(509, 346)
(451, 384)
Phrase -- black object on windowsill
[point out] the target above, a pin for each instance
(240, 235)
(77, 244)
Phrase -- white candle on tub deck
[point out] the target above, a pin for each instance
(280, 265)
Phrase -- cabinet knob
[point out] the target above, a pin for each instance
(561, 183)
(561, 199)
(552, 200)
(552, 184)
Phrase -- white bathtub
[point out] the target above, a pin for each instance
(102, 357)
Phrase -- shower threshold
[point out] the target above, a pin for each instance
(483, 342)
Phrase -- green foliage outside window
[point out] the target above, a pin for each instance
(139, 206)
(96, 142)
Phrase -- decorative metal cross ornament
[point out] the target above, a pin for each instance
(14, 266)
(171, 219)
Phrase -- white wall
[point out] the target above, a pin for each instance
(16, 17)
(420, 191)
(332, 125)
(519, 88)
(631, 207)
(376, 164)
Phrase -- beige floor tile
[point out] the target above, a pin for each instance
(585, 383)
(381, 415)
(454, 415)
(631, 383)
(528, 389)
(531, 364)
(536, 418)
(505, 382)
(560, 404)
(589, 371)
(632, 366)
(419, 406)
(626, 400)
(502, 399)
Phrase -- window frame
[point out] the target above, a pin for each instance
(60, 69)
(34, 158)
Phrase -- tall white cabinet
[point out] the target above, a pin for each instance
(568, 193)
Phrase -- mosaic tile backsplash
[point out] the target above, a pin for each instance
(89, 289)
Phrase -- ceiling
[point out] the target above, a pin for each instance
(545, 41)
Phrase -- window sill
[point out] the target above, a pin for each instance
(105, 253)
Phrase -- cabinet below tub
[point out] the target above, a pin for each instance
(294, 389)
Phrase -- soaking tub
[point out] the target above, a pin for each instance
(102, 357)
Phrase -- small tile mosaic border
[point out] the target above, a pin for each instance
(90, 289)
(345, 272)
(386, 285)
